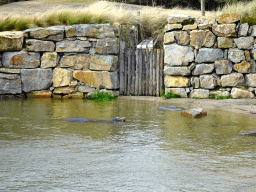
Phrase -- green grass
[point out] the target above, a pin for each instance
(101, 96)
(214, 96)
(169, 95)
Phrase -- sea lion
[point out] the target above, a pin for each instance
(84, 120)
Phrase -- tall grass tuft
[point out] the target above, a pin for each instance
(245, 9)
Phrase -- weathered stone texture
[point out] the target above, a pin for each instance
(225, 30)
(176, 81)
(197, 38)
(208, 82)
(194, 113)
(203, 69)
(90, 30)
(223, 67)
(243, 29)
(62, 77)
(229, 18)
(64, 90)
(243, 67)
(178, 18)
(252, 31)
(7, 70)
(209, 55)
(206, 20)
(21, 60)
(236, 55)
(244, 42)
(199, 93)
(182, 37)
(98, 79)
(49, 59)
(250, 79)
(232, 80)
(171, 27)
(10, 84)
(195, 82)
(107, 46)
(180, 91)
(225, 42)
(183, 71)
(241, 93)
(189, 27)
(36, 79)
(40, 94)
(169, 38)
(79, 61)
(176, 55)
(220, 92)
(103, 63)
(253, 53)
(73, 46)
(11, 41)
(86, 89)
(53, 33)
(40, 46)
(210, 39)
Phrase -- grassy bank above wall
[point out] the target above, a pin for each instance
(151, 19)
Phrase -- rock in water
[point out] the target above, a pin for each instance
(170, 108)
(84, 120)
(194, 113)
(248, 132)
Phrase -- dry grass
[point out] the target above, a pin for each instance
(242, 8)
(151, 19)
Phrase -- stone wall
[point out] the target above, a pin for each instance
(210, 57)
(60, 61)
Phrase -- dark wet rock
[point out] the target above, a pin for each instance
(194, 113)
(84, 120)
(171, 108)
(248, 132)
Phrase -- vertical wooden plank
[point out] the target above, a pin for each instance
(151, 74)
(154, 73)
(129, 72)
(137, 72)
(161, 70)
(121, 68)
(133, 71)
(125, 71)
(158, 73)
(140, 58)
(146, 71)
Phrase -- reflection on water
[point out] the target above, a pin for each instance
(152, 151)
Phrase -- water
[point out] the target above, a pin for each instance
(152, 151)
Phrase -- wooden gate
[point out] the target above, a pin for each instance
(141, 71)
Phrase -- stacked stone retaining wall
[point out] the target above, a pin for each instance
(60, 61)
(210, 57)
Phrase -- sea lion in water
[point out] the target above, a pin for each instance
(84, 120)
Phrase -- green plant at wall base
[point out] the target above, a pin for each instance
(214, 96)
(100, 96)
(170, 95)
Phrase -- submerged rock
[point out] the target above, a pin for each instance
(194, 113)
(248, 132)
(171, 108)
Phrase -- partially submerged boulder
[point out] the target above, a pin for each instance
(194, 113)
(171, 108)
(248, 132)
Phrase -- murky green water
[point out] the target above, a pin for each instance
(152, 151)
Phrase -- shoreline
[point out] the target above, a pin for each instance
(244, 106)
